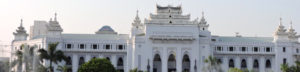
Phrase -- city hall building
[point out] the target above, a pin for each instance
(167, 41)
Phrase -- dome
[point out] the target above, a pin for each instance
(106, 28)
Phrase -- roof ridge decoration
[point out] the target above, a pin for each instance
(137, 20)
(21, 29)
(280, 29)
(54, 25)
(203, 21)
(291, 32)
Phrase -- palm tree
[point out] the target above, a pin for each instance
(18, 61)
(62, 68)
(52, 54)
(213, 64)
(24, 57)
(284, 67)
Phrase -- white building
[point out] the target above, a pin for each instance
(165, 42)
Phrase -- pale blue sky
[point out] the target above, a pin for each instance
(249, 17)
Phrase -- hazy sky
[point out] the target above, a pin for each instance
(249, 17)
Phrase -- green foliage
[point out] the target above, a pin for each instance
(293, 68)
(97, 65)
(135, 70)
(24, 56)
(235, 70)
(52, 54)
(41, 68)
(62, 68)
(213, 65)
(4, 66)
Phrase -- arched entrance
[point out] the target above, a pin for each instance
(243, 64)
(186, 63)
(156, 63)
(172, 63)
(120, 65)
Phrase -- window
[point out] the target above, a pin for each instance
(213, 40)
(81, 60)
(231, 63)
(255, 64)
(231, 48)
(219, 48)
(219, 60)
(69, 61)
(81, 46)
(203, 28)
(21, 47)
(120, 62)
(170, 22)
(94, 46)
(284, 60)
(243, 49)
(268, 64)
(108, 58)
(255, 49)
(268, 49)
(243, 64)
(283, 49)
(297, 50)
(107, 46)
(120, 47)
(68, 46)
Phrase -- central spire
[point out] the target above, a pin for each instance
(21, 24)
(55, 15)
(203, 21)
(137, 18)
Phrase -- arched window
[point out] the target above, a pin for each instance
(108, 58)
(120, 62)
(284, 60)
(231, 63)
(268, 64)
(156, 63)
(69, 61)
(186, 63)
(81, 60)
(255, 64)
(243, 64)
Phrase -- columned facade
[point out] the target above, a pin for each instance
(166, 41)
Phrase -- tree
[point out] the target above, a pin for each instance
(293, 68)
(52, 54)
(235, 70)
(213, 64)
(4, 66)
(284, 67)
(97, 65)
(62, 68)
(24, 56)
(135, 70)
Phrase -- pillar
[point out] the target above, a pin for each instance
(225, 64)
(87, 58)
(262, 64)
(75, 62)
(114, 60)
(179, 60)
(164, 60)
(237, 62)
(250, 63)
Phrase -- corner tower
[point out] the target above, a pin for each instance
(54, 29)
(20, 33)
